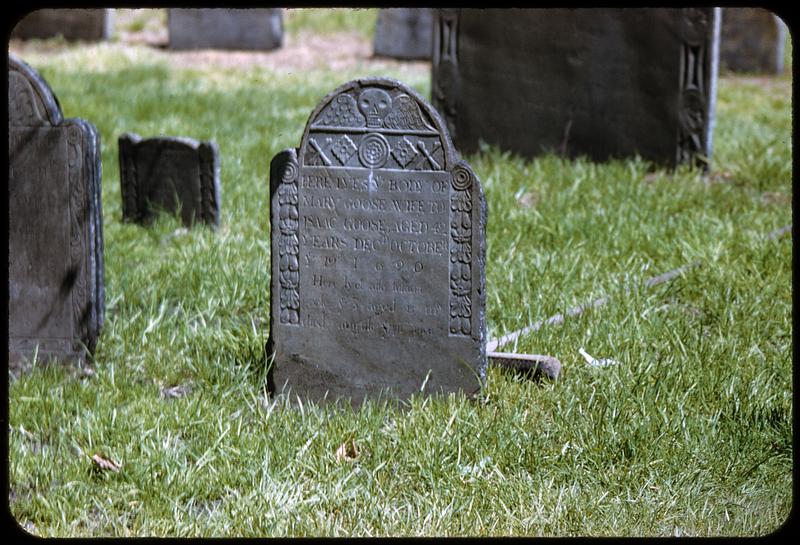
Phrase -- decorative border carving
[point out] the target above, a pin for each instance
(289, 245)
(461, 252)
(209, 205)
(693, 107)
(77, 247)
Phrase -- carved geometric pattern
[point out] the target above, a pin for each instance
(461, 253)
(373, 150)
(289, 246)
(343, 149)
(404, 152)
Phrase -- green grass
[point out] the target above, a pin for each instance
(690, 434)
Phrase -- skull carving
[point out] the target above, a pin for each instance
(374, 104)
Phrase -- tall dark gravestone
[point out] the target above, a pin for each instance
(752, 40)
(378, 252)
(214, 28)
(72, 24)
(55, 272)
(603, 83)
(175, 175)
(404, 33)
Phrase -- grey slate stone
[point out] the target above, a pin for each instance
(175, 175)
(752, 40)
(404, 33)
(258, 29)
(72, 24)
(377, 253)
(604, 83)
(55, 273)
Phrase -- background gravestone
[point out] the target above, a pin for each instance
(404, 33)
(169, 174)
(378, 252)
(72, 24)
(603, 83)
(260, 29)
(55, 272)
(752, 40)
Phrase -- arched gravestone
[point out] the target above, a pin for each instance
(171, 174)
(598, 82)
(378, 252)
(56, 290)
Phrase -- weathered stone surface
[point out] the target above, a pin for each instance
(175, 175)
(378, 252)
(72, 24)
(260, 29)
(603, 83)
(55, 272)
(752, 40)
(404, 33)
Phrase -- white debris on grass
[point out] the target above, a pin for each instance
(604, 362)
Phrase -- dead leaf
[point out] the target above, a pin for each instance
(347, 451)
(105, 463)
(529, 200)
(176, 391)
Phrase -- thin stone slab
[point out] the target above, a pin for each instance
(56, 275)
(258, 29)
(752, 40)
(72, 24)
(174, 175)
(377, 253)
(404, 33)
(602, 83)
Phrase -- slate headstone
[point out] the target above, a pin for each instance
(175, 175)
(72, 24)
(404, 33)
(377, 253)
(55, 272)
(603, 83)
(752, 40)
(213, 28)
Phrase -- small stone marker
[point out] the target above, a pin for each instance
(378, 252)
(752, 40)
(55, 271)
(604, 83)
(169, 174)
(72, 24)
(259, 29)
(404, 33)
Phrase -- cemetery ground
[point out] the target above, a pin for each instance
(689, 433)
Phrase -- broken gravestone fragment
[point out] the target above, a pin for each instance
(378, 253)
(55, 270)
(176, 175)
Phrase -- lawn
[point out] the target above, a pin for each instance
(689, 433)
